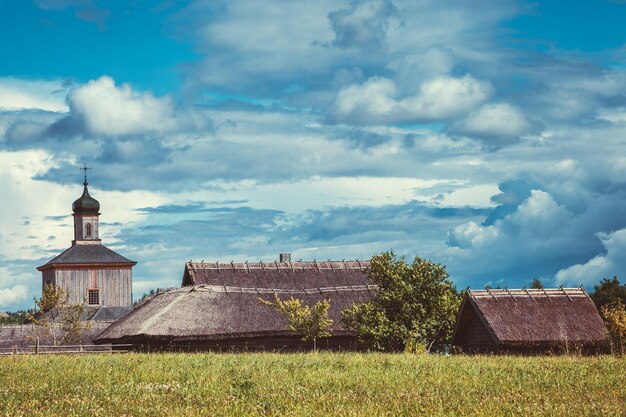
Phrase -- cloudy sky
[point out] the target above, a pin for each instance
(486, 135)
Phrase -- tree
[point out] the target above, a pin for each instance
(614, 316)
(608, 291)
(145, 296)
(536, 284)
(55, 321)
(310, 323)
(415, 306)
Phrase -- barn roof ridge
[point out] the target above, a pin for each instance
(293, 266)
(527, 293)
(262, 290)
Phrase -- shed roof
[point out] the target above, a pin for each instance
(87, 254)
(211, 312)
(531, 316)
(286, 275)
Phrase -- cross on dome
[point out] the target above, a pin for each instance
(85, 168)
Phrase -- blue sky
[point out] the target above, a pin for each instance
(488, 136)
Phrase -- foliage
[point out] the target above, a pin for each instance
(609, 291)
(614, 316)
(55, 321)
(16, 317)
(144, 296)
(311, 323)
(415, 306)
(536, 284)
(325, 384)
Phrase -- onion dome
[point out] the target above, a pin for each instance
(86, 204)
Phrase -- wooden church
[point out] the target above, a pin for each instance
(89, 271)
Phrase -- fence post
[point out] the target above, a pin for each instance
(37, 346)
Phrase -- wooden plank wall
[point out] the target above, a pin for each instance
(473, 336)
(115, 284)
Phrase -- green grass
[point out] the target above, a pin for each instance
(311, 385)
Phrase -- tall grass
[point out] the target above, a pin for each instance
(319, 384)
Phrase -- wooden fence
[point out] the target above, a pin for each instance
(38, 349)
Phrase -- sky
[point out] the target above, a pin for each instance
(485, 135)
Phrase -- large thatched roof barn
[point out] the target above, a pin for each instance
(218, 306)
(528, 320)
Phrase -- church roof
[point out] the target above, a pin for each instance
(87, 254)
(86, 204)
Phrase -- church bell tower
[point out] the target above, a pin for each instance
(88, 271)
(86, 213)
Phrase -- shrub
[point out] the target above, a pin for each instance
(614, 316)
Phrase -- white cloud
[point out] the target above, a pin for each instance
(613, 115)
(521, 245)
(10, 296)
(364, 24)
(606, 265)
(495, 120)
(412, 69)
(106, 109)
(379, 101)
(471, 234)
(19, 94)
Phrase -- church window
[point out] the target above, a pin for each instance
(88, 230)
(93, 297)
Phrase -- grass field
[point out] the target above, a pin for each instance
(319, 384)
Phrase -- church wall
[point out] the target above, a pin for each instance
(47, 277)
(115, 284)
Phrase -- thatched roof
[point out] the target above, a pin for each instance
(532, 317)
(285, 275)
(107, 314)
(212, 312)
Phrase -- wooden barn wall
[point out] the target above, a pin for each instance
(472, 335)
(115, 284)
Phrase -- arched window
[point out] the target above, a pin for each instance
(88, 230)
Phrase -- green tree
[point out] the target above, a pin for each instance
(614, 315)
(536, 284)
(608, 291)
(145, 296)
(55, 321)
(414, 308)
(310, 323)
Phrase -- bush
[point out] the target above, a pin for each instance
(310, 323)
(614, 316)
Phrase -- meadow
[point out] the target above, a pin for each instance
(311, 384)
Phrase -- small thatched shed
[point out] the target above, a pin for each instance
(219, 317)
(528, 320)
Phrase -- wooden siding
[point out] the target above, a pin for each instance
(47, 277)
(473, 335)
(115, 284)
